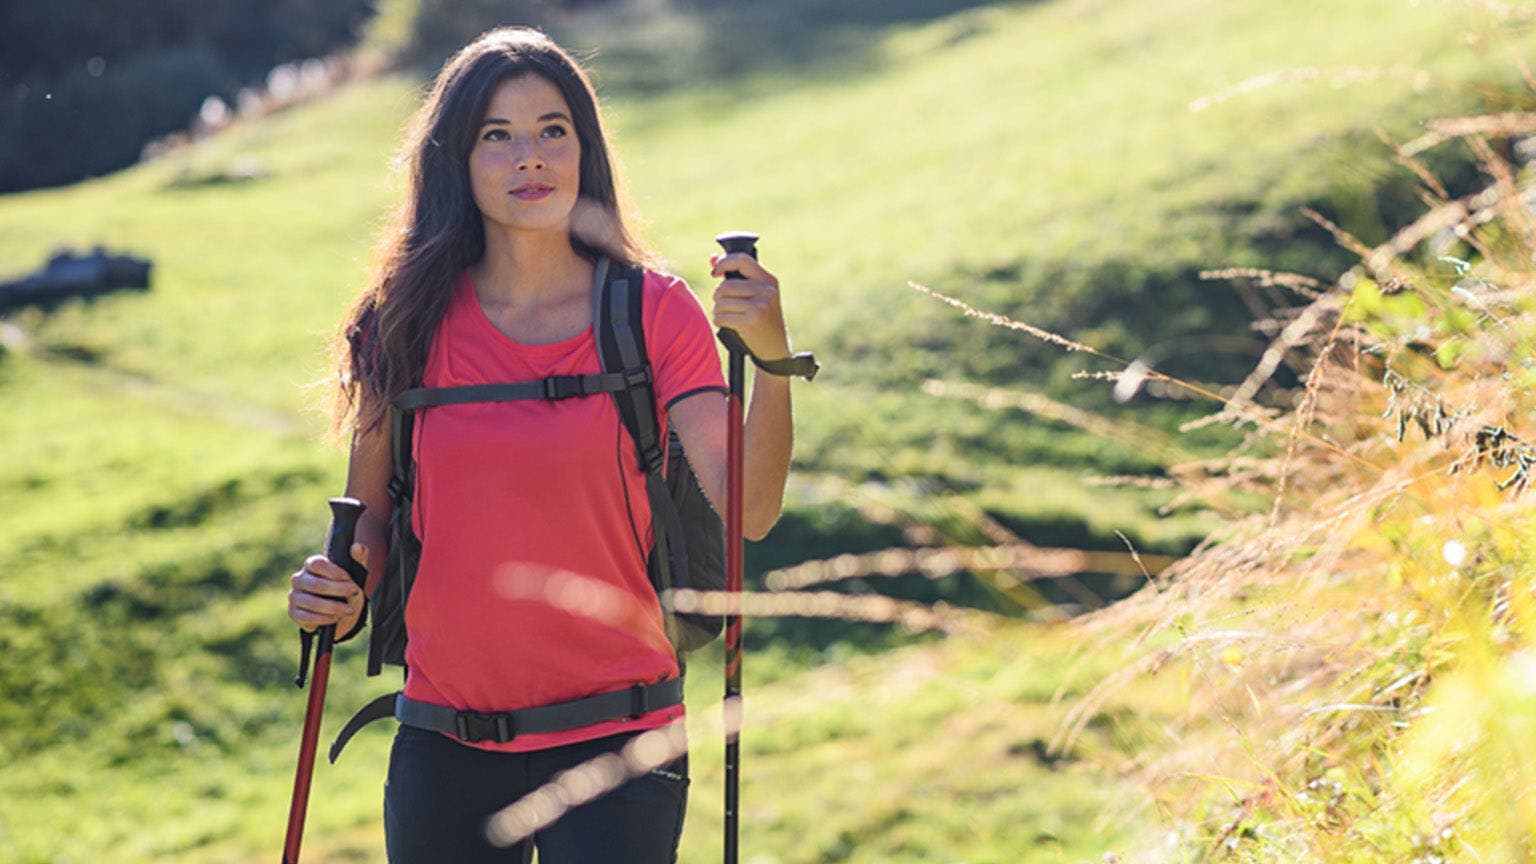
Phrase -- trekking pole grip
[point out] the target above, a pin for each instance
(736, 241)
(338, 548)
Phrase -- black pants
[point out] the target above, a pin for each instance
(440, 793)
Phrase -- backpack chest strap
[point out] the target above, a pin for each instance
(551, 389)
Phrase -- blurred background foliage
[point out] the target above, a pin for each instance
(84, 84)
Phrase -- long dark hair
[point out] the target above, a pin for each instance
(436, 231)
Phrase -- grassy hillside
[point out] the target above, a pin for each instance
(1040, 160)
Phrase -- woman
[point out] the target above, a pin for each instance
(487, 278)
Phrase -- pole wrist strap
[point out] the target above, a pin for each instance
(802, 365)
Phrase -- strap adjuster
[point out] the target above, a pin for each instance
(396, 489)
(562, 387)
(639, 701)
(637, 377)
(652, 457)
(472, 727)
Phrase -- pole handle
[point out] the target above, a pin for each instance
(735, 241)
(338, 548)
(338, 541)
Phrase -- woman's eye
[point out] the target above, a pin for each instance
(494, 135)
(554, 132)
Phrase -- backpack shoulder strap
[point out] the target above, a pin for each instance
(618, 310)
(618, 315)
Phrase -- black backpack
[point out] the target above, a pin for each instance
(689, 548)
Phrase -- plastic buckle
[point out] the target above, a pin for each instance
(473, 727)
(561, 387)
(637, 377)
(639, 704)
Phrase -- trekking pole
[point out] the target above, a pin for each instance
(338, 548)
(737, 241)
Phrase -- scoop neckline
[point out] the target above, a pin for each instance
(467, 286)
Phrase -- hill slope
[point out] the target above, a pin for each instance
(1039, 159)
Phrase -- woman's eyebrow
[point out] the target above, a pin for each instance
(553, 115)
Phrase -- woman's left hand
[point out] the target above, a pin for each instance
(750, 305)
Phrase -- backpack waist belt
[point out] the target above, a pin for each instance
(471, 726)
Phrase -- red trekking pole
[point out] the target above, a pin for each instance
(738, 241)
(338, 548)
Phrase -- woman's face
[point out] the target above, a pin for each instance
(525, 167)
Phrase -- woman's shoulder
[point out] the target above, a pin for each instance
(661, 283)
(668, 296)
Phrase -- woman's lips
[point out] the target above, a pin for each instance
(532, 192)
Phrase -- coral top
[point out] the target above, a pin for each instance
(535, 524)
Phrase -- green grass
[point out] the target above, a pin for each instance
(819, 781)
(163, 471)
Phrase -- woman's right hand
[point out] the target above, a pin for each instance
(324, 594)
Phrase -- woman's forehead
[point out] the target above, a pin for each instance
(526, 96)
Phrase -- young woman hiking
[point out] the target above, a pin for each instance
(487, 278)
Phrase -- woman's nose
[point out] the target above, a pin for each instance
(526, 154)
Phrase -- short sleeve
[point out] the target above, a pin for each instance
(680, 341)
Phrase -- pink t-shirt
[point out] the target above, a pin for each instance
(534, 523)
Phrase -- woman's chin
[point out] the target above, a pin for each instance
(529, 224)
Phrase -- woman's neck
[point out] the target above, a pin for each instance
(528, 268)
